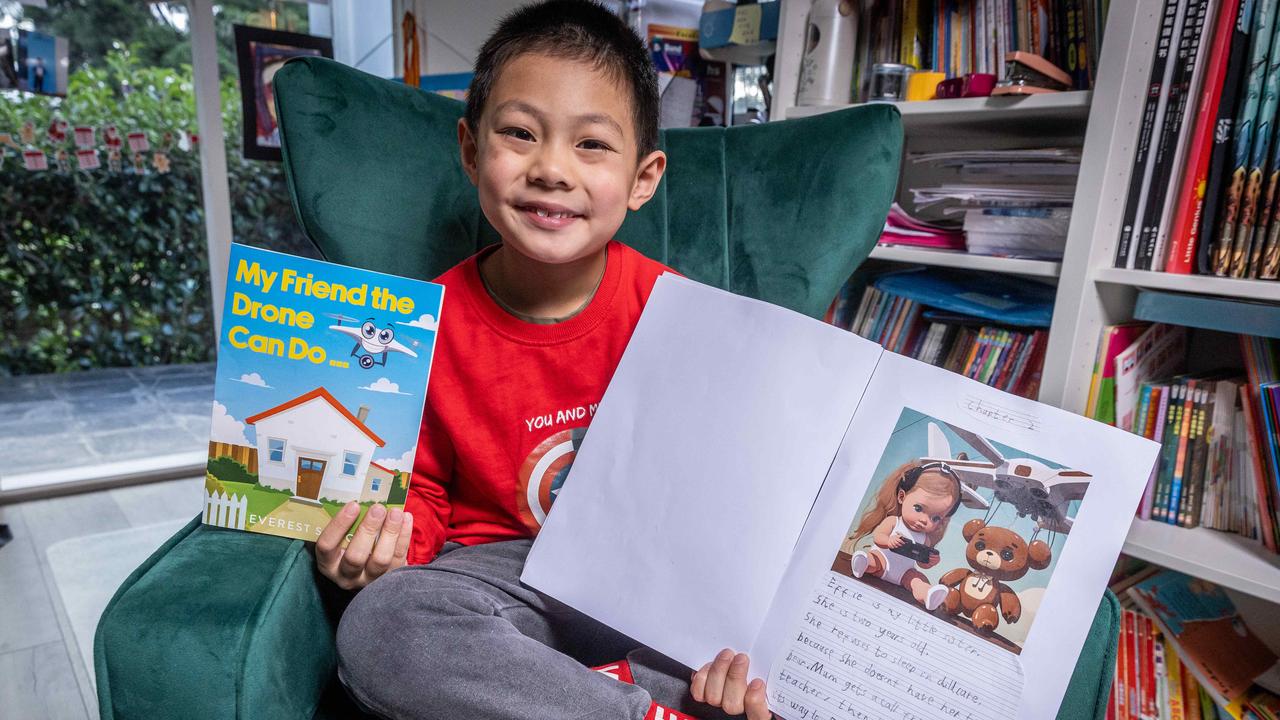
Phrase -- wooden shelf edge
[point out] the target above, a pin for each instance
(952, 258)
(1224, 558)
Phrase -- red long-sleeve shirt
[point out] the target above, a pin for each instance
(509, 401)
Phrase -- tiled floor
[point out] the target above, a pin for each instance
(41, 673)
(87, 418)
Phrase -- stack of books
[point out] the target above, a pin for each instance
(1185, 653)
(896, 312)
(1010, 203)
(1219, 431)
(1203, 197)
(957, 37)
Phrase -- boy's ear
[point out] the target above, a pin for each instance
(648, 174)
(467, 146)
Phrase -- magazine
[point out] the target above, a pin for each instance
(321, 379)
(886, 539)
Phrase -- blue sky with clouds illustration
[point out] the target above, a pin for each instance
(249, 382)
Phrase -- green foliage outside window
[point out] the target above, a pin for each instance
(101, 268)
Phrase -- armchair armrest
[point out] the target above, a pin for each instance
(217, 624)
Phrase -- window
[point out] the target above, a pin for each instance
(349, 462)
(275, 450)
(376, 482)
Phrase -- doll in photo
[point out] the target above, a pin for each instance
(910, 516)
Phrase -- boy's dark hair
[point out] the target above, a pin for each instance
(576, 30)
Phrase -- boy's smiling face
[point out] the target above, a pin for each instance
(555, 158)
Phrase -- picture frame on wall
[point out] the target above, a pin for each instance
(260, 53)
(42, 63)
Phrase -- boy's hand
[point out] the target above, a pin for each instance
(896, 541)
(363, 561)
(722, 683)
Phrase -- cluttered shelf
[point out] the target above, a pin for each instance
(1263, 290)
(1224, 558)
(958, 259)
(1070, 107)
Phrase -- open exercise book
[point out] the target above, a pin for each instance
(886, 539)
(321, 380)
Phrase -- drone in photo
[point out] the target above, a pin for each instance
(373, 343)
(1033, 488)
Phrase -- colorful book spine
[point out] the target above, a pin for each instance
(1148, 136)
(1234, 82)
(1189, 514)
(1157, 434)
(1245, 134)
(1168, 452)
(1180, 464)
(1172, 146)
(1189, 201)
(1264, 127)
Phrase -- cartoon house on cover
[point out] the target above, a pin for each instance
(315, 448)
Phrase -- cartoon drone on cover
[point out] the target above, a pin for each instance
(372, 342)
(1033, 488)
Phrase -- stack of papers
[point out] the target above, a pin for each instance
(1015, 203)
(902, 229)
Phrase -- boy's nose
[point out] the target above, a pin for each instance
(548, 169)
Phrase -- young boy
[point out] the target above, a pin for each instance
(559, 137)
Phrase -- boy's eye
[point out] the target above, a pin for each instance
(517, 133)
(918, 507)
(593, 145)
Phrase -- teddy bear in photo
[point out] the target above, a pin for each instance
(995, 554)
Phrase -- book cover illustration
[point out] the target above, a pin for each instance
(1208, 633)
(321, 379)
(963, 527)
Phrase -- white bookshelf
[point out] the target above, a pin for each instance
(1090, 292)
(1263, 290)
(958, 259)
(1226, 559)
(1024, 110)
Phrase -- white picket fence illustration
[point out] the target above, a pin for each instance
(225, 510)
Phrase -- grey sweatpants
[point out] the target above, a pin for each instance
(460, 637)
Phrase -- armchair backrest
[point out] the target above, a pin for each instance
(783, 211)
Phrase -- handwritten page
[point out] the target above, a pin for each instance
(915, 663)
(858, 653)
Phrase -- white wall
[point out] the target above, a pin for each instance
(361, 33)
(457, 28)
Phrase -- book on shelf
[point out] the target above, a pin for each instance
(1188, 69)
(321, 381)
(1198, 620)
(1203, 192)
(1219, 431)
(1227, 46)
(957, 37)
(1184, 652)
(915, 314)
(1260, 151)
(1153, 116)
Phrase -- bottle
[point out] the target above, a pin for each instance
(826, 70)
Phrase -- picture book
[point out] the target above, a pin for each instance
(884, 538)
(321, 380)
(1202, 624)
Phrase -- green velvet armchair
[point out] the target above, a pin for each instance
(225, 624)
